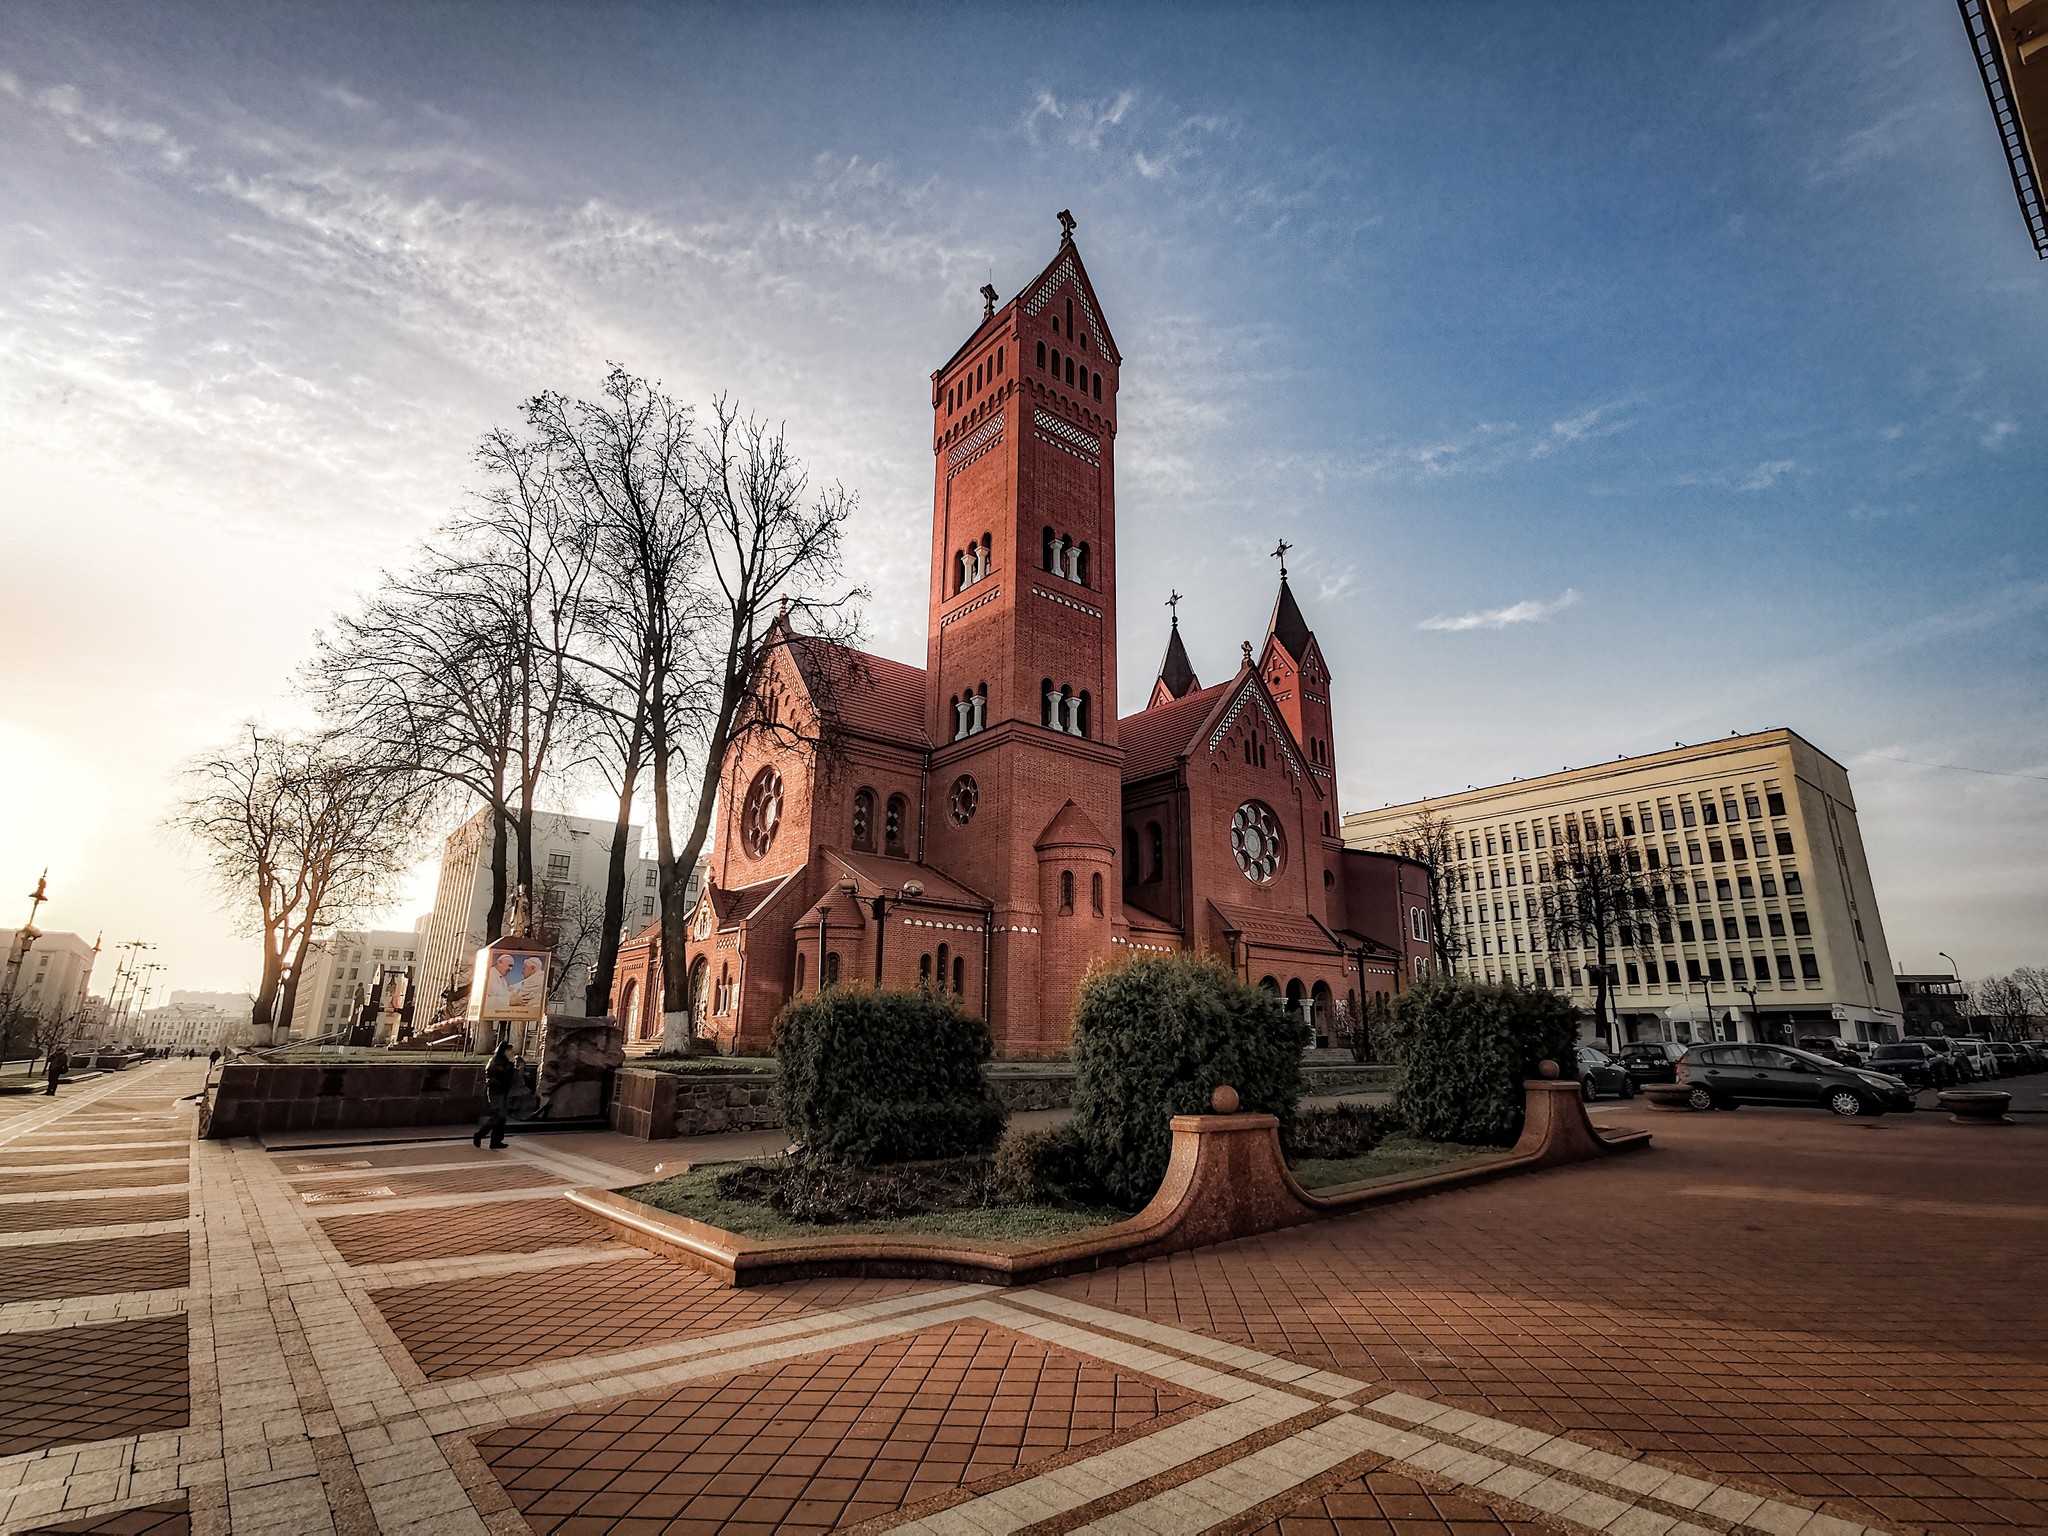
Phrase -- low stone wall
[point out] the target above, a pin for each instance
(1051, 1089)
(251, 1098)
(656, 1105)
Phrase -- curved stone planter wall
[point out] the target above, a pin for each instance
(1226, 1179)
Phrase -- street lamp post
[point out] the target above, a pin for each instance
(1707, 991)
(1756, 1018)
(1958, 972)
(17, 952)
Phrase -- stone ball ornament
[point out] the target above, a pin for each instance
(1224, 1100)
(1548, 1068)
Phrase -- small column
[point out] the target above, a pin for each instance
(1057, 563)
(961, 712)
(1074, 564)
(966, 571)
(1052, 713)
(1073, 703)
(978, 703)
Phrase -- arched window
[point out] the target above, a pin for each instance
(1070, 371)
(1041, 357)
(1095, 386)
(1049, 705)
(832, 968)
(1081, 567)
(1157, 838)
(864, 821)
(999, 362)
(1055, 365)
(799, 973)
(700, 989)
(959, 975)
(892, 826)
(1326, 823)
(629, 1010)
(1270, 984)
(1085, 720)
(924, 969)
(944, 951)
(1066, 892)
(1095, 891)
(1130, 855)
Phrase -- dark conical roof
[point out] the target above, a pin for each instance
(1176, 673)
(1288, 626)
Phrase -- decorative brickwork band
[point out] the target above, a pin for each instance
(1064, 434)
(973, 445)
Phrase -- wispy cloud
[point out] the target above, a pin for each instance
(1528, 611)
(1758, 477)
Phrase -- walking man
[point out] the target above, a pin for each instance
(59, 1063)
(501, 1075)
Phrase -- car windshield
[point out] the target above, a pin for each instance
(1591, 1058)
(1900, 1053)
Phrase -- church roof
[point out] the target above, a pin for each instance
(879, 872)
(873, 695)
(1176, 672)
(1071, 828)
(1276, 930)
(1155, 739)
(1288, 626)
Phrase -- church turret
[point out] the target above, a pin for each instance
(1299, 680)
(1176, 673)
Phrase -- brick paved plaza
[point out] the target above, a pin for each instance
(1771, 1322)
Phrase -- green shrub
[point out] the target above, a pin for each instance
(1048, 1167)
(808, 1190)
(1339, 1130)
(1152, 1039)
(884, 1077)
(1463, 1051)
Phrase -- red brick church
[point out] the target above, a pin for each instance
(987, 823)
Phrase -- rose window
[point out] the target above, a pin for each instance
(966, 796)
(762, 816)
(1255, 840)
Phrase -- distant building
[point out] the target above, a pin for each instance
(1933, 1004)
(1774, 922)
(340, 971)
(194, 1021)
(571, 860)
(55, 973)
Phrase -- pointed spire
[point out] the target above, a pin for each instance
(1176, 673)
(1288, 626)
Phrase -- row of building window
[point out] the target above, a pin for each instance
(1669, 818)
(1067, 892)
(1755, 926)
(1756, 970)
(894, 814)
(984, 373)
(1090, 383)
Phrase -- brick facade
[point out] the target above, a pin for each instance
(987, 823)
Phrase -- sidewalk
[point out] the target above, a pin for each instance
(1767, 1317)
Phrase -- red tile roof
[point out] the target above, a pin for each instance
(1072, 828)
(1154, 739)
(875, 696)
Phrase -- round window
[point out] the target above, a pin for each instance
(1255, 840)
(966, 796)
(762, 816)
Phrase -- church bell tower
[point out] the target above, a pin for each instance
(1021, 655)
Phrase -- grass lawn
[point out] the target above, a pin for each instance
(1400, 1156)
(693, 1194)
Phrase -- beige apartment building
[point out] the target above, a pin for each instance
(1774, 929)
(342, 968)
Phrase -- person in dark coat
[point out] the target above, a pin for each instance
(501, 1076)
(59, 1064)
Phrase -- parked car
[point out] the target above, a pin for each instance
(1914, 1064)
(2037, 1054)
(1600, 1073)
(2011, 1062)
(1835, 1048)
(1961, 1063)
(1726, 1076)
(1650, 1061)
(1979, 1053)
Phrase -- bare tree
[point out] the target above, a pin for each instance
(1429, 840)
(300, 835)
(770, 548)
(456, 673)
(572, 925)
(2005, 1001)
(2033, 980)
(1596, 896)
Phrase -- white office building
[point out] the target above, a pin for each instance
(53, 978)
(571, 859)
(342, 968)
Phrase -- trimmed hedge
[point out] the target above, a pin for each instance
(885, 1077)
(1153, 1038)
(1464, 1050)
(1339, 1130)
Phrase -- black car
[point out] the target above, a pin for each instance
(1961, 1063)
(1913, 1064)
(1726, 1076)
(1600, 1073)
(1650, 1061)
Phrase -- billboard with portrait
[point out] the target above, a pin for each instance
(510, 986)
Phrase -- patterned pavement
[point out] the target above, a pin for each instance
(1772, 1323)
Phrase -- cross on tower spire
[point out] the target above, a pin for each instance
(1066, 224)
(1173, 602)
(1280, 554)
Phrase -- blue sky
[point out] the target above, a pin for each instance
(1620, 378)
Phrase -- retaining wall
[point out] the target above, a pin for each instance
(251, 1098)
